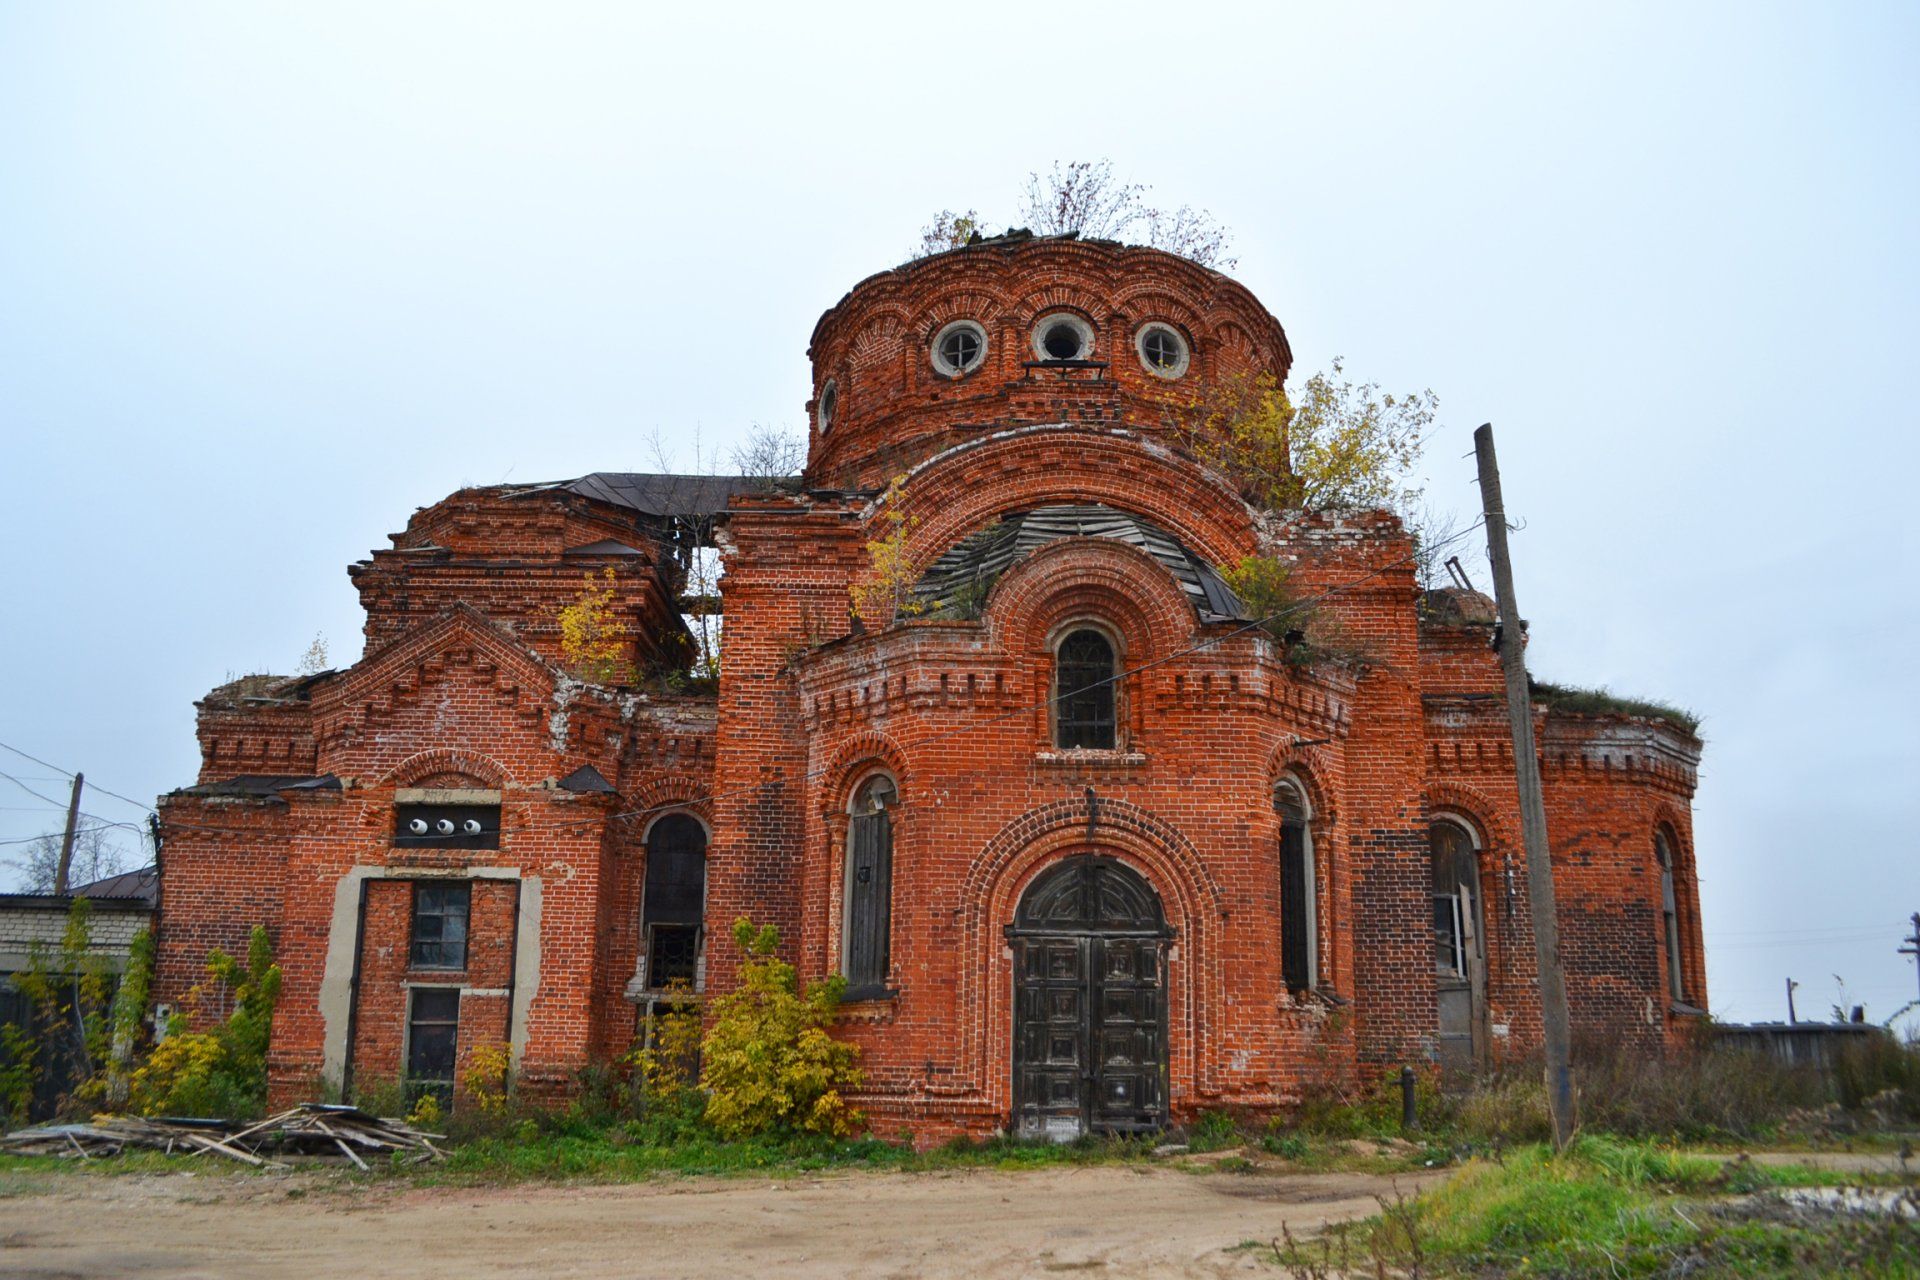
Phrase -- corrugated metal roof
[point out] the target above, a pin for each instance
(658, 495)
(969, 569)
(128, 886)
(258, 785)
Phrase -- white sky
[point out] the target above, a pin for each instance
(273, 276)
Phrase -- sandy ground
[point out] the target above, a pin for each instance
(1094, 1221)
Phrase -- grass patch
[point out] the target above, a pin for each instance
(1604, 702)
(1613, 1208)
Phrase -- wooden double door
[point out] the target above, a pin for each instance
(1090, 1003)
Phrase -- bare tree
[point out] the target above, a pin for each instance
(314, 660)
(1084, 198)
(96, 855)
(769, 454)
(949, 230)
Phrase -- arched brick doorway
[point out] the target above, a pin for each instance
(1089, 1002)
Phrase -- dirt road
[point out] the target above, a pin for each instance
(1095, 1221)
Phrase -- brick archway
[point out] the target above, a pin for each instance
(1026, 848)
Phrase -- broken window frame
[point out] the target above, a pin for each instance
(672, 928)
(419, 1081)
(1452, 936)
(430, 944)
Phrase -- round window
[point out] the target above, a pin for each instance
(828, 405)
(959, 348)
(1063, 337)
(1162, 350)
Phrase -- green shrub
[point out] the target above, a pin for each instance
(1214, 1131)
(769, 1064)
(221, 1072)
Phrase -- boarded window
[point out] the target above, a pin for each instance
(870, 886)
(433, 1033)
(1669, 917)
(1084, 678)
(1297, 924)
(440, 911)
(675, 903)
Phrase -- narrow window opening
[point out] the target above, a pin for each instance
(1455, 888)
(1084, 679)
(1670, 918)
(433, 1035)
(870, 887)
(674, 907)
(1299, 924)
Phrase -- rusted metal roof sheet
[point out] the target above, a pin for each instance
(657, 495)
(985, 554)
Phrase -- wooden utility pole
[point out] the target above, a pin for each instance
(66, 843)
(1913, 941)
(1533, 810)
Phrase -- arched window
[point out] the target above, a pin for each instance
(674, 907)
(1456, 892)
(1669, 917)
(1083, 685)
(1299, 919)
(1460, 957)
(869, 886)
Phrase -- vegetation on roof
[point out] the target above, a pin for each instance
(1572, 700)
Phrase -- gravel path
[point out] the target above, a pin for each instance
(1107, 1221)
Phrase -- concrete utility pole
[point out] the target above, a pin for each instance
(1913, 943)
(1791, 1017)
(1533, 810)
(66, 843)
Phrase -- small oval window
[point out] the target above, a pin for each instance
(959, 348)
(1162, 350)
(828, 405)
(1063, 337)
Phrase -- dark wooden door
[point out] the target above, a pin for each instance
(1090, 1014)
(1051, 1063)
(1130, 1064)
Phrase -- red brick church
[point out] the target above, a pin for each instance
(1092, 851)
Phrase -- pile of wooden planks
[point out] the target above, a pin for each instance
(312, 1130)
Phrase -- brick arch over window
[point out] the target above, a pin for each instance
(1310, 767)
(859, 754)
(1092, 578)
(1024, 849)
(483, 770)
(652, 797)
(965, 488)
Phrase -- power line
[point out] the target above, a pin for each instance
(91, 786)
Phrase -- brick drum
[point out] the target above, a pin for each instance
(462, 699)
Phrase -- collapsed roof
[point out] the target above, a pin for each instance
(971, 566)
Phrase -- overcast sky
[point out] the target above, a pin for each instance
(273, 276)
